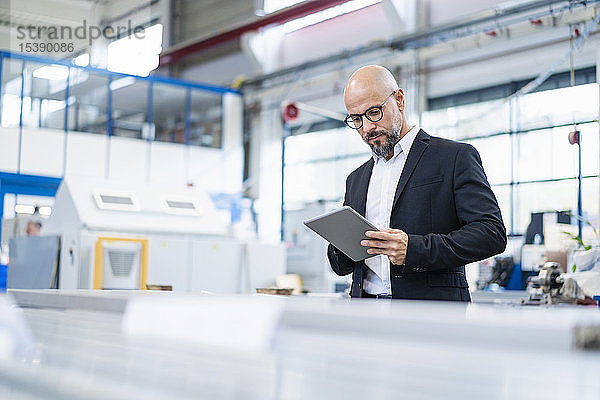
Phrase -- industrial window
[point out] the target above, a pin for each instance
(181, 205)
(116, 201)
(524, 147)
(186, 205)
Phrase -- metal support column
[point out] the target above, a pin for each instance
(109, 101)
(579, 180)
(108, 126)
(1, 73)
(286, 134)
(513, 141)
(150, 105)
(66, 121)
(188, 110)
(21, 118)
(149, 136)
(1, 212)
(598, 125)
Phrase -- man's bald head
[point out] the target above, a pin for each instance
(370, 88)
(369, 80)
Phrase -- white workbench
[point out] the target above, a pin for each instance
(320, 348)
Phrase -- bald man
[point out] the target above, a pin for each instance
(429, 197)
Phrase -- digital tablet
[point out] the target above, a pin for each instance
(344, 228)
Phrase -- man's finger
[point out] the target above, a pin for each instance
(377, 251)
(391, 230)
(382, 244)
(379, 235)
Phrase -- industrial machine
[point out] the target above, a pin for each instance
(307, 251)
(122, 236)
(545, 287)
(552, 286)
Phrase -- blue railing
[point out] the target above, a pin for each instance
(100, 101)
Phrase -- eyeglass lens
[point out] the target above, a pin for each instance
(374, 115)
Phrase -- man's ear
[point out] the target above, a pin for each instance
(399, 97)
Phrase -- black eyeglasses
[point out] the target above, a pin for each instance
(373, 114)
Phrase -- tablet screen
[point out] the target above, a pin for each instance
(344, 228)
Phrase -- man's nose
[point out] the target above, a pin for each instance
(368, 126)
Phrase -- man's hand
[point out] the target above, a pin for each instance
(391, 242)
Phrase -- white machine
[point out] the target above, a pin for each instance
(119, 236)
(307, 252)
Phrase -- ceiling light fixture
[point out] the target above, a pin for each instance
(336, 11)
(24, 209)
(45, 211)
(52, 73)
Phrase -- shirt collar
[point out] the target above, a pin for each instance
(403, 145)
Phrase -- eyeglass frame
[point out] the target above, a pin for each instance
(380, 108)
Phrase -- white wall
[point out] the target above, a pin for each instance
(42, 152)
(173, 155)
(9, 144)
(265, 154)
(127, 159)
(86, 155)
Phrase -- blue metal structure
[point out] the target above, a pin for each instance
(151, 78)
(17, 183)
(31, 185)
(112, 76)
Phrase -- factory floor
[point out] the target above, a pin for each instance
(100, 345)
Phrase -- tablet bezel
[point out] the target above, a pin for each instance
(347, 241)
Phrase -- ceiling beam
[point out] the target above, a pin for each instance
(278, 18)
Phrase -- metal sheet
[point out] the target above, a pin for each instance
(33, 262)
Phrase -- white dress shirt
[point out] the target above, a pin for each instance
(380, 196)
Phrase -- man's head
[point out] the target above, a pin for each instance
(374, 88)
(33, 228)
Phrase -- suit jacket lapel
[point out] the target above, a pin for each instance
(416, 151)
(363, 185)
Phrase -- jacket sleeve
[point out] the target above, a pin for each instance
(341, 263)
(482, 233)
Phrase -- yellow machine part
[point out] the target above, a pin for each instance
(99, 259)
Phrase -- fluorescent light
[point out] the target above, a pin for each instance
(136, 56)
(270, 6)
(45, 210)
(82, 60)
(121, 83)
(52, 73)
(50, 106)
(24, 209)
(329, 13)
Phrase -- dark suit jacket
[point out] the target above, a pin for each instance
(444, 203)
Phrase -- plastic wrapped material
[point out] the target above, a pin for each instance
(586, 260)
(584, 284)
(570, 290)
(16, 340)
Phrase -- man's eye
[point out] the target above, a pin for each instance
(373, 113)
(355, 119)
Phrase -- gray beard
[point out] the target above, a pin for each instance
(391, 139)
